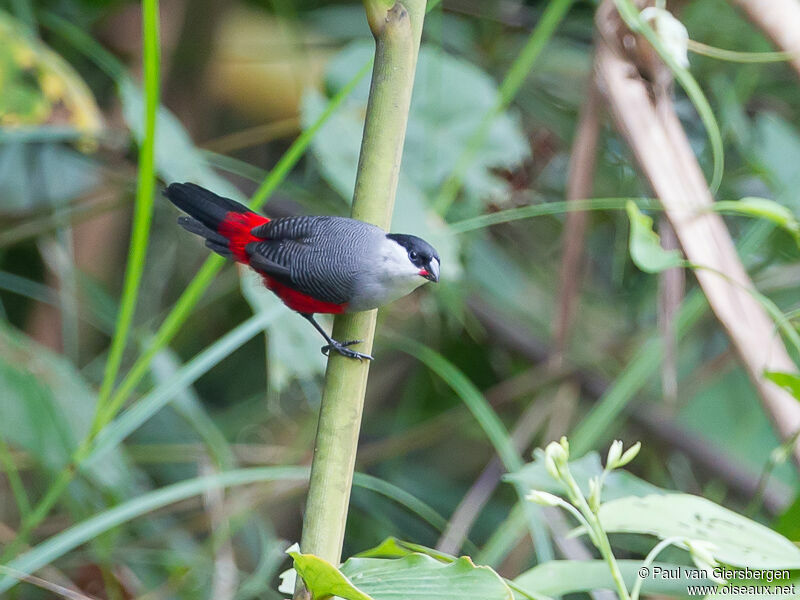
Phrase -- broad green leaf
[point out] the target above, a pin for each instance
(414, 576)
(788, 381)
(618, 483)
(293, 345)
(560, 577)
(420, 577)
(324, 580)
(739, 541)
(645, 244)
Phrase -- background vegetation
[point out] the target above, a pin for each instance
(134, 372)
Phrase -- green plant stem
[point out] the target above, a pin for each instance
(596, 531)
(143, 212)
(397, 37)
(551, 18)
(649, 560)
(739, 57)
(14, 480)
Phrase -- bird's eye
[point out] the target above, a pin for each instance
(412, 255)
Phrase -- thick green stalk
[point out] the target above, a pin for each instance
(397, 33)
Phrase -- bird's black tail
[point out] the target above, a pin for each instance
(225, 224)
(202, 204)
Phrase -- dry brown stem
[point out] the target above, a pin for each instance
(646, 118)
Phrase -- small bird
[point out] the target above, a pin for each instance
(313, 264)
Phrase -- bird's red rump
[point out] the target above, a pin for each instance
(302, 303)
(236, 227)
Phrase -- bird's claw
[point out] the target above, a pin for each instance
(341, 348)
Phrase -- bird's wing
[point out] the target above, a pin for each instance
(317, 256)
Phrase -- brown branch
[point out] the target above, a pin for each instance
(671, 286)
(647, 120)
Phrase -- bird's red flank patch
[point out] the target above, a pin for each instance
(236, 227)
(300, 302)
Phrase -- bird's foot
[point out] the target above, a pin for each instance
(341, 348)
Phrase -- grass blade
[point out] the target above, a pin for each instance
(145, 189)
(69, 539)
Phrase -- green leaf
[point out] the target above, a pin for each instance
(739, 541)
(788, 381)
(763, 208)
(560, 577)
(618, 483)
(323, 580)
(391, 547)
(412, 577)
(645, 244)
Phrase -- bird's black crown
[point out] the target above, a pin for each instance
(420, 252)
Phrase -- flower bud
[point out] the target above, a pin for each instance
(629, 454)
(543, 498)
(614, 453)
(594, 494)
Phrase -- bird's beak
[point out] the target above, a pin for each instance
(432, 272)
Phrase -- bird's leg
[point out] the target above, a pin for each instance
(340, 347)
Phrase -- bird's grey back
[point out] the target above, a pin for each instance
(323, 255)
